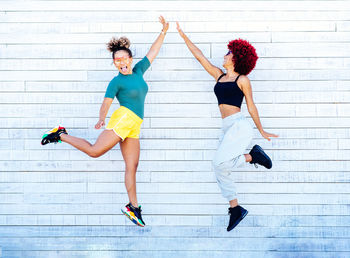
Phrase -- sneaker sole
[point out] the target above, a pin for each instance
(242, 217)
(43, 142)
(132, 219)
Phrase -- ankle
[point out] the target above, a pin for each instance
(134, 204)
(233, 203)
(248, 157)
(62, 136)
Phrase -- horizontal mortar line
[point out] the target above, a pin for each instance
(162, 58)
(158, 203)
(178, 250)
(180, 11)
(171, 70)
(170, 160)
(196, 193)
(24, 171)
(304, 17)
(192, 215)
(172, 182)
(87, 194)
(184, 236)
(267, 42)
(198, 103)
(10, 43)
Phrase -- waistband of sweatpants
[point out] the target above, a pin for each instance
(232, 118)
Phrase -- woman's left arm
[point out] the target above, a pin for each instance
(253, 111)
(154, 50)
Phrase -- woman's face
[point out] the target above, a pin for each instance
(228, 62)
(123, 62)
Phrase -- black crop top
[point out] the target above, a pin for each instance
(228, 92)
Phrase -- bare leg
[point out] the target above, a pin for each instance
(131, 153)
(106, 141)
(248, 157)
(233, 203)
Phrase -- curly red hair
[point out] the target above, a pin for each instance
(244, 56)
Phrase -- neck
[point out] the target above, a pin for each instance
(231, 73)
(128, 73)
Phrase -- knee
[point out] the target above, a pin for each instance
(94, 153)
(218, 173)
(220, 168)
(131, 167)
(216, 165)
(217, 169)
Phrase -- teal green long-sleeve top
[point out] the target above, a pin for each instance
(131, 89)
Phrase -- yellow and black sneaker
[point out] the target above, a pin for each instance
(54, 135)
(134, 214)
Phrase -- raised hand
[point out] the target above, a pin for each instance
(179, 30)
(165, 24)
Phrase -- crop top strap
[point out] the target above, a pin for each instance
(237, 78)
(221, 77)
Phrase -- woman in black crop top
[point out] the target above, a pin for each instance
(230, 88)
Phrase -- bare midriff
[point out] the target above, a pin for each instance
(227, 110)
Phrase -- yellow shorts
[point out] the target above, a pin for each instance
(125, 123)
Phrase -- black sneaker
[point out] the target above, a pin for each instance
(134, 214)
(236, 215)
(53, 135)
(260, 157)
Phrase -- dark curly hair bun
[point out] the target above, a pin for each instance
(244, 55)
(122, 43)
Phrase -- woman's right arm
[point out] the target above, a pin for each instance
(197, 53)
(103, 112)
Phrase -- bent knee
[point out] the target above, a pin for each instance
(95, 153)
(221, 166)
(217, 165)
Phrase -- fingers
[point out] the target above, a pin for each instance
(178, 26)
(99, 124)
(162, 20)
(267, 135)
(270, 134)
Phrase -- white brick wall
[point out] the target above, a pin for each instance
(58, 202)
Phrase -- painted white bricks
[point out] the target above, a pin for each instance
(54, 68)
(178, 6)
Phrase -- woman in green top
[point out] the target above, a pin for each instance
(124, 126)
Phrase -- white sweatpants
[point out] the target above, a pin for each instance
(237, 135)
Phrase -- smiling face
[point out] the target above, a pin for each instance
(123, 62)
(228, 62)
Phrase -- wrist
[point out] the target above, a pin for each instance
(163, 32)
